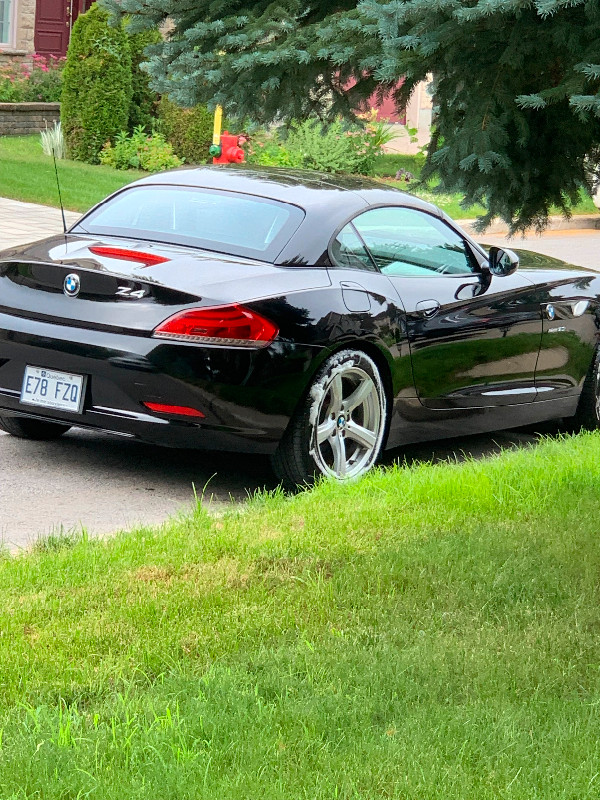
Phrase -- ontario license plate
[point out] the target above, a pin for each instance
(51, 389)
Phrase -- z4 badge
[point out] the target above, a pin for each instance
(131, 294)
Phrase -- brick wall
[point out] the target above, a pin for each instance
(21, 119)
(24, 34)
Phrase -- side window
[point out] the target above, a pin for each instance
(404, 241)
(347, 250)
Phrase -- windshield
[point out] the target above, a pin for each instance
(225, 222)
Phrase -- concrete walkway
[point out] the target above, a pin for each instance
(26, 222)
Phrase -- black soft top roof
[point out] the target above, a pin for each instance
(328, 201)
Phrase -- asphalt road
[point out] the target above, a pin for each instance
(107, 483)
(104, 483)
(575, 247)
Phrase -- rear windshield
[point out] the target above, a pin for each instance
(224, 222)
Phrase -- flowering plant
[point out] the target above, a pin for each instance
(38, 81)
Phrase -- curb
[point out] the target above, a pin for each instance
(555, 223)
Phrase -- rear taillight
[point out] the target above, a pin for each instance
(232, 325)
(124, 254)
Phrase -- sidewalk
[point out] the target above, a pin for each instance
(578, 222)
(26, 222)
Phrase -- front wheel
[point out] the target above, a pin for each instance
(339, 429)
(32, 428)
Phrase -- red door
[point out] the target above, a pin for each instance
(53, 22)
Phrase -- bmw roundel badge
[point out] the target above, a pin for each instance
(72, 285)
(550, 311)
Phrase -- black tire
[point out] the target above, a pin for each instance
(330, 436)
(32, 428)
(587, 416)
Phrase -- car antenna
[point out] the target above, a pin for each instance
(62, 209)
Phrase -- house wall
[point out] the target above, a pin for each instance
(419, 113)
(23, 32)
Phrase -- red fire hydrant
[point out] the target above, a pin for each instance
(230, 150)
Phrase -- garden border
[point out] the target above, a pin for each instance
(23, 119)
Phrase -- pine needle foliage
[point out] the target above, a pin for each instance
(517, 82)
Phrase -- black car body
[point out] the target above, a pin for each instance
(458, 347)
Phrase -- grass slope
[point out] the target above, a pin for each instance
(387, 165)
(27, 174)
(430, 632)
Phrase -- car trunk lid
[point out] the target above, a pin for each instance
(132, 285)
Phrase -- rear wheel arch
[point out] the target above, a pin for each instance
(587, 416)
(374, 351)
(346, 446)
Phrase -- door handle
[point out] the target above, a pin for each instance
(427, 308)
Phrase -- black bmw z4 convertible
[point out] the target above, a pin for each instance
(315, 319)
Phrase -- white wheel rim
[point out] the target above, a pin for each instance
(347, 423)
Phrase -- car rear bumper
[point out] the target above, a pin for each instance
(246, 396)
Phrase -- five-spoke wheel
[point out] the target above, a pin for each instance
(340, 428)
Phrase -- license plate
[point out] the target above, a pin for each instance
(51, 389)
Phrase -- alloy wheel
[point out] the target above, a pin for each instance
(347, 427)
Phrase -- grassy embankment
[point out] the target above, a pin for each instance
(388, 165)
(430, 632)
(27, 174)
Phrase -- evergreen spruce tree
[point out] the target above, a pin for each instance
(96, 92)
(517, 82)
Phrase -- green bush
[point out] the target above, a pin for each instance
(189, 130)
(144, 101)
(338, 147)
(268, 150)
(139, 151)
(97, 91)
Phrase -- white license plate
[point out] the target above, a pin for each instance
(51, 389)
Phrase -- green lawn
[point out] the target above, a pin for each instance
(389, 164)
(27, 174)
(430, 632)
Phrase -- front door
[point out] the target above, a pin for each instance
(53, 22)
(474, 338)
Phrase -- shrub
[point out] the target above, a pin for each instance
(40, 82)
(268, 150)
(335, 147)
(189, 130)
(144, 101)
(97, 91)
(139, 151)
(338, 147)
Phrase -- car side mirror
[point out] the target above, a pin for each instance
(502, 261)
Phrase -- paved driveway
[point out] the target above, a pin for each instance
(581, 247)
(104, 483)
(26, 222)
